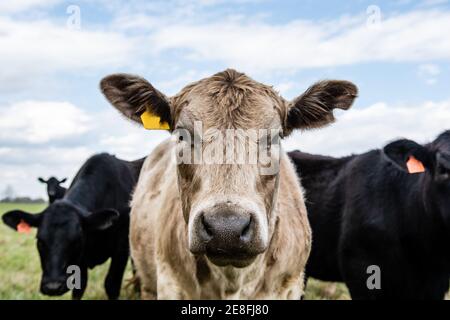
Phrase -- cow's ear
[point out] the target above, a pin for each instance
(102, 219)
(133, 95)
(314, 108)
(409, 156)
(63, 180)
(42, 180)
(17, 218)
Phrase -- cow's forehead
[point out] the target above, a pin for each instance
(60, 214)
(229, 100)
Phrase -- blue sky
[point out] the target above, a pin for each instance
(52, 115)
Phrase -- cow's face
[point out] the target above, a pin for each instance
(53, 185)
(227, 197)
(435, 158)
(226, 131)
(61, 236)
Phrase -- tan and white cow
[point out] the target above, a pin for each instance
(221, 230)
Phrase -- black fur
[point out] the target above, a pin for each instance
(367, 210)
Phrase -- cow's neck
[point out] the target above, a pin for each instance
(82, 194)
(424, 229)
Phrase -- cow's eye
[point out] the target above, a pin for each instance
(178, 137)
(443, 172)
(268, 141)
(275, 140)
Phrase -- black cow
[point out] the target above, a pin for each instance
(367, 210)
(54, 189)
(86, 227)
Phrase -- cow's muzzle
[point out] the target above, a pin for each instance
(54, 287)
(228, 236)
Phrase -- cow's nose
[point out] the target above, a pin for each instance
(227, 230)
(53, 288)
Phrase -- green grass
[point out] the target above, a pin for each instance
(319, 290)
(20, 269)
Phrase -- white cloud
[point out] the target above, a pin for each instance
(359, 130)
(24, 165)
(284, 87)
(38, 48)
(429, 72)
(413, 36)
(45, 138)
(124, 138)
(22, 5)
(41, 122)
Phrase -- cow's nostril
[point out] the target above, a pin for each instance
(246, 231)
(206, 227)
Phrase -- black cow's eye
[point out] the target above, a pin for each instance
(443, 171)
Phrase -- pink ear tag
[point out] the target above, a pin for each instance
(414, 165)
(23, 227)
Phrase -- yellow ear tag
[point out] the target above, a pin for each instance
(152, 122)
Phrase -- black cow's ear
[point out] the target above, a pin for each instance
(314, 108)
(409, 156)
(63, 180)
(133, 95)
(102, 219)
(42, 180)
(15, 218)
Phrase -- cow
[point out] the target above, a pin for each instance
(202, 230)
(86, 227)
(371, 218)
(54, 189)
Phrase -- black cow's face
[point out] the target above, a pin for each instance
(62, 232)
(53, 185)
(435, 158)
(60, 242)
(441, 175)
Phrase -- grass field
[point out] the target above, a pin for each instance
(20, 269)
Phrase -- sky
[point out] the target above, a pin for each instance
(53, 53)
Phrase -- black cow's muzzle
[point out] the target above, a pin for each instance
(54, 288)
